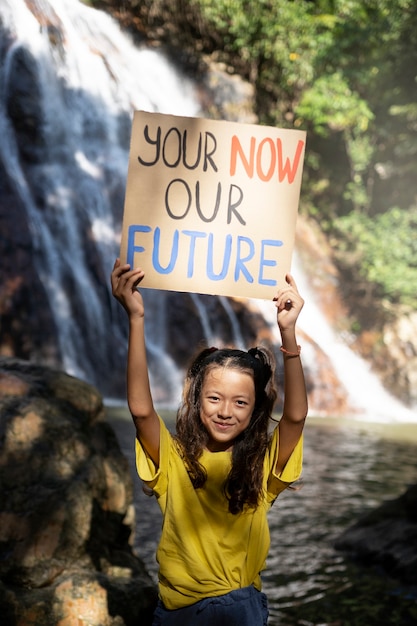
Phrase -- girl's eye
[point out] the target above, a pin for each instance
(241, 402)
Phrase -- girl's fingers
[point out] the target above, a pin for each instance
(290, 280)
(123, 277)
(288, 297)
(135, 278)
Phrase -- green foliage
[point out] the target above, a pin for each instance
(339, 66)
(358, 78)
(331, 105)
(384, 249)
(272, 43)
(344, 70)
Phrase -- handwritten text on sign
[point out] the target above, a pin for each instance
(211, 206)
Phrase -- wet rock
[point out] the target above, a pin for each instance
(386, 538)
(399, 357)
(66, 507)
(49, 271)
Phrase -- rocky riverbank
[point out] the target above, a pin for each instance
(54, 286)
(66, 507)
(67, 515)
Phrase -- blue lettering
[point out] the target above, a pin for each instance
(131, 247)
(193, 234)
(216, 268)
(267, 262)
(240, 267)
(155, 252)
(226, 259)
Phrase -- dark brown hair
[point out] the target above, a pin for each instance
(243, 485)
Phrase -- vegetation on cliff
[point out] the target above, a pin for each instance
(344, 70)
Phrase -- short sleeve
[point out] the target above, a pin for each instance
(155, 477)
(291, 472)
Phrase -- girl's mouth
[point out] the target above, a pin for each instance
(223, 425)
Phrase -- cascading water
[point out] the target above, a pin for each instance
(86, 79)
(79, 79)
(367, 397)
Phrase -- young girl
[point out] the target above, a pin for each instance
(217, 478)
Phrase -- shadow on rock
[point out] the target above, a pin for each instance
(66, 507)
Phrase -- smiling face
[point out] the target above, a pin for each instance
(227, 403)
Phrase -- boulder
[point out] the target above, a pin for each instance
(66, 507)
(398, 357)
(386, 538)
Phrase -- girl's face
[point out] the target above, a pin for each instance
(227, 403)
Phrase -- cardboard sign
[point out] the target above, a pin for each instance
(211, 206)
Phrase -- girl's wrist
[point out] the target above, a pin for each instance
(290, 346)
(288, 335)
(136, 317)
(291, 353)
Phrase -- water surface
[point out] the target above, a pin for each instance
(350, 467)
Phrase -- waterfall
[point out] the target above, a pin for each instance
(72, 78)
(367, 396)
(238, 340)
(87, 79)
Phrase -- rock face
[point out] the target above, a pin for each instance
(399, 357)
(63, 161)
(66, 507)
(387, 538)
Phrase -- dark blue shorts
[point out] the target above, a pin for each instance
(242, 607)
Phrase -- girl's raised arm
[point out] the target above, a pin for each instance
(289, 304)
(124, 283)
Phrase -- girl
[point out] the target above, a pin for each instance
(217, 478)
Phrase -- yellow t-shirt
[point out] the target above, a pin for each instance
(204, 550)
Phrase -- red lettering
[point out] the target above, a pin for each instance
(286, 170)
(237, 148)
(266, 164)
(273, 160)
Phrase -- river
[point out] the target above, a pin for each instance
(350, 467)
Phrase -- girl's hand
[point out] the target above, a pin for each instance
(289, 304)
(124, 282)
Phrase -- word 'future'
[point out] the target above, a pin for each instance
(171, 150)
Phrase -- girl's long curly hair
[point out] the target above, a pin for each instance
(243, 485)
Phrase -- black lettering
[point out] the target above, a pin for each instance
(153, 142)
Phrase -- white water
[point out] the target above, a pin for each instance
(371, 401)
(91, 78)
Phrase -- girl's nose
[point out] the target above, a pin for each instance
(225, 411)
